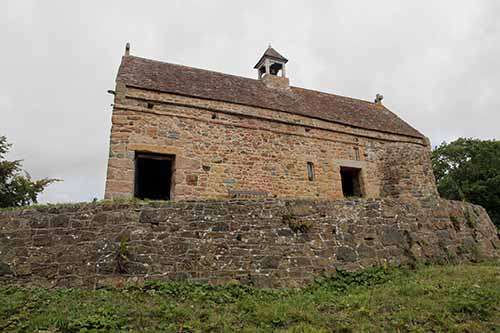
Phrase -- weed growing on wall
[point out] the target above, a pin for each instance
(295, 224)
(122, 255)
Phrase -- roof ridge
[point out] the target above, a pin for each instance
(247, 78)
(191, 67)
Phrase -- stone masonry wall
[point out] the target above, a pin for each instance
(222, 147)
(268, 243)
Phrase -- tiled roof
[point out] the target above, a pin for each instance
(188, 81)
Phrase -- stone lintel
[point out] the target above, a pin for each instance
(148, 148)
(351, 163)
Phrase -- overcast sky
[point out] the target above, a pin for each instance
(436, 62)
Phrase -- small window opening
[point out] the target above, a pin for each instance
(310, 171)
(150, 105)
(153, 176)
(356, 153)
(351, 182)
(214, 116)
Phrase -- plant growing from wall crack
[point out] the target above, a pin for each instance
(296, 225)
(122, 256)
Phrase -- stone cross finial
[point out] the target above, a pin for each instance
(378, 99)
(127, 48)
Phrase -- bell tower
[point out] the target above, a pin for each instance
(271, 69)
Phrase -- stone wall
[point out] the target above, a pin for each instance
(222, 147)
(268, 243)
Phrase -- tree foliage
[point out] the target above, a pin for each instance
(16, 186)
(469, 169)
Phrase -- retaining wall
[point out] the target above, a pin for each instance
(269, 243)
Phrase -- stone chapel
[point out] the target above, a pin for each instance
(183, 133)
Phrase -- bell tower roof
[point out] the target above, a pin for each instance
(271, 54)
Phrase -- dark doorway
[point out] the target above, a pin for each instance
(153, 176)
(351, 183)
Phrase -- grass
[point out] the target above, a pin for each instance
(81, 204)
(452, 298)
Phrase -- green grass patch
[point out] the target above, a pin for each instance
(79, 204)
(456, 298)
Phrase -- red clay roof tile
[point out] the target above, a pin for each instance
(188, 81)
